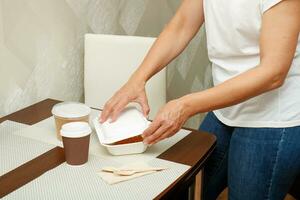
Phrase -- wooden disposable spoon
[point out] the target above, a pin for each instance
(129, 172)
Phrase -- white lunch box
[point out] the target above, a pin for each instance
(130, 123)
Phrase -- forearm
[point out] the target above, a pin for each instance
(173, 39)
(233, 91)
(168, 45)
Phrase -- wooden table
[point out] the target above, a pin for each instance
(192, 150)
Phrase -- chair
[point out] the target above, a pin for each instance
(108, 63)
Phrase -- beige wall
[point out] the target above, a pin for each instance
(41, 46)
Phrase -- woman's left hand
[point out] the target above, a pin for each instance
(167, 122)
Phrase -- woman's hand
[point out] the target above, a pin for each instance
(132, 91)
(167, 122)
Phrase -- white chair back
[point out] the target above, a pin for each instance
(108, 63)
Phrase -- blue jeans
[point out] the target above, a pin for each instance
(255, 163)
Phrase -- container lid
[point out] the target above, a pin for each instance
(75, 129)
(130, 123)
(71, 110)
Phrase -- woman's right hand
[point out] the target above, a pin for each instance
(132, 91)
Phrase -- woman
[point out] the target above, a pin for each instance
(254, 46)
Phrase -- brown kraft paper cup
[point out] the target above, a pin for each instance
(67, 112)
(76, 149)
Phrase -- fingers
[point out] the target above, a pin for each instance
(117, 103)
(143, 101)
(153, 137)
(151, 129)
(106, 112)
(145, 105)
(117, 110)
(167, 134)
(159, 130)
(112, 110)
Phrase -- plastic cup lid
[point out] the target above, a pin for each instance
(75, 129)
(71, 110)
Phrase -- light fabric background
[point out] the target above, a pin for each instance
(41, 47)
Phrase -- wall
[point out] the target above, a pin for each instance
(41, 47)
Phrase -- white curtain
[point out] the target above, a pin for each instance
(41, 47)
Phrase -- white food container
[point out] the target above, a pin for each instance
(130, 123)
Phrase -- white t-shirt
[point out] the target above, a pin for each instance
(233, 31)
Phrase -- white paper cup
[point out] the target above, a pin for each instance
(69, 112)
(76, 139)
